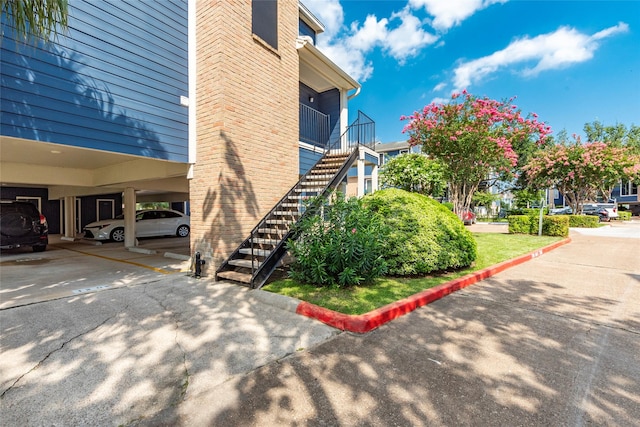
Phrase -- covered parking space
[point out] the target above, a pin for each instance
(69, 269)
(58, 177)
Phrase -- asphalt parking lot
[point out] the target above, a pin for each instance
(70, 268)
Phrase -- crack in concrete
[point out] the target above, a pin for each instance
(187, 375)
(58, 349)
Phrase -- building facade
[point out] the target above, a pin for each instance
(217, 107)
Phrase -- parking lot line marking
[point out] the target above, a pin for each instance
(137, 264)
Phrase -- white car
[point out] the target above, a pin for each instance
(149, 223)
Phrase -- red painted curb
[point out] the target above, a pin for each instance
(363, 323)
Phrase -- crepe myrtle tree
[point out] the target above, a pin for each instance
(474, 138)
(579, 171)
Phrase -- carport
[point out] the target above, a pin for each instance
(69, 174)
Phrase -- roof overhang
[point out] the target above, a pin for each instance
(319, 72)
(310, 19)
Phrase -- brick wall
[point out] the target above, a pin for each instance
(247, 124)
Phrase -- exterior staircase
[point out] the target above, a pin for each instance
(258, 256)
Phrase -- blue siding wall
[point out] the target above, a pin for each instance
(113, 82)
(306, 30)
(307, 159)
(330, 104)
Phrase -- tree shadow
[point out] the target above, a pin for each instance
(227, 205)
(131, 356)
(488, 355)
(49, 95)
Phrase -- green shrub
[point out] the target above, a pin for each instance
(557, 225)
(583, 221)
(519, 224)
(424, 235)
(343, 246)
(624, 215)
(449, 205)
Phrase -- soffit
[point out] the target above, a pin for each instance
(319, 72)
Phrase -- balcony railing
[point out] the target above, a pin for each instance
(361, 132)
(314, 126)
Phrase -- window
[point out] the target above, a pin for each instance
(368, 187)
(264, 20)
(628, 188)
(404, 151)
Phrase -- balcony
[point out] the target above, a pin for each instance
(314, 127)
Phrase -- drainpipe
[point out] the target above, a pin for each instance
(354, 94)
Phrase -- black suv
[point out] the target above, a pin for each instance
(22, 225)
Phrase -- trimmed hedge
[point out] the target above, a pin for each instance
(583, 221)
(424, 235)
(624, 215)
(554, 225)
(519, 224)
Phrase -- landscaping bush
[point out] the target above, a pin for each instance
(423, 235)
(557, 225)
(519, 224)
(624, 215)
(343, 246)
(583, 221)
(449, 205)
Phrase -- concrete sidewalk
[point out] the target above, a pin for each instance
(551, 342)
(134, 353)
(554, 341)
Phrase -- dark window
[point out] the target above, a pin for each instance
(264, 20)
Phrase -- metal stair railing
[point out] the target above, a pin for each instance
(360, 132)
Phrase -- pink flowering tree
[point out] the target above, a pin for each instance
(581, 171)
(475, 138)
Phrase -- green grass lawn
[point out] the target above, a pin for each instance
(493, 248)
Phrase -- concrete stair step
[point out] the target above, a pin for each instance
(308, 190)
(270, 230)
(236, 276)
(287, 214)
(256, 252)
(281, 221)
(246, 263)
(319, 177)
(260, 241)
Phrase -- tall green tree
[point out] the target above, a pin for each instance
(416, 173)
(614, 135)
(37, 18)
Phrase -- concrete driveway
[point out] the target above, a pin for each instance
(554, 341)
(69, 268)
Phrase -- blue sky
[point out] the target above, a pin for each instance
(571, 62)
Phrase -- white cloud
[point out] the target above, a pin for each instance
(401, 36)
(407, 39)
(330, 13)
(449, 13)
(352, 61)
(562, 48)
